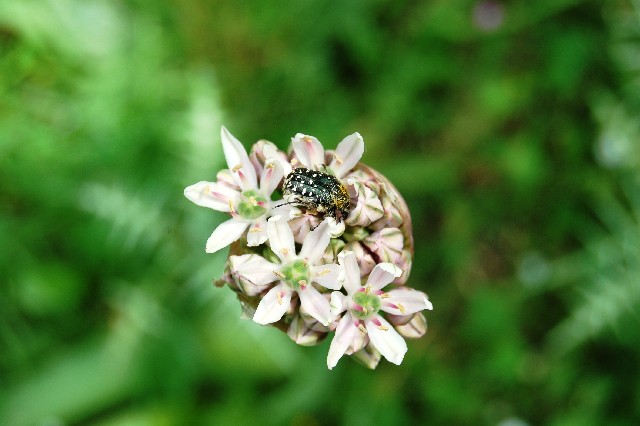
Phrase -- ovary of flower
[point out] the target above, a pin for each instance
(363, 304)
(239, 195)
(295, 274)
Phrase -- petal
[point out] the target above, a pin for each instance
(273, 305)
(351, 281)
(386, 243)
(257, 232)
(308, 150)
(315, 243)
(271, 176)
(238, 161)
(338, 303)
(335, 229)
(347, 155)
(385, 339)
(269, 150)
(211, 195)
(383, 274)
(315, 304)
(281, 238)
(407, 301)
(226, 233)
(252, 273)
(225, 177)
(327, 276)
(368, 208)
(344, 337)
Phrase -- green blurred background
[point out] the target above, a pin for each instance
(510, 128)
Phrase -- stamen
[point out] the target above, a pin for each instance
(367, 289)
(323, 272)
(236, 168)
(284, 251)
(305, 261)
(384, 295)
(382, 327)
(303, 283)
(357, 307)
(294, 162)
(362, 328)
(231, 208)
(402, 309)
(279, 298)
(338, 159)
(253, 201)
(278, 273)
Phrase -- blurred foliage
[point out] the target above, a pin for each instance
(510, 128)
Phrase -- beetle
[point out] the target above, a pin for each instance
(318, 192)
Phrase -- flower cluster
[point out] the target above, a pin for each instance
(311, 275)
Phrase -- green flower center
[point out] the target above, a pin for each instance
(370, 304)
(295, 274)
(252, 205)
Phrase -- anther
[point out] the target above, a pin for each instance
(402, 309)
(236, 168)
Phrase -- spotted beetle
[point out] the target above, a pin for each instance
(317, 191)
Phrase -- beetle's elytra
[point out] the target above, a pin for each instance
(317, 191)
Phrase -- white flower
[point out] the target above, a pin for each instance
(362, 305)
(295, 273)
(237, 193)
(310, 153)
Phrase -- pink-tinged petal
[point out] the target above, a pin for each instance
(301, 224)
(315, 243)
(338, 303)
(225, 177)
(327, 276)
(281, 208)
(368, 208)
(386, 340)
(256, 269)
(281, 238)
(315, 304)
(257, 233)
(387, 244)
(351, 281)
(366, 262)
(382, 275)
(271, 176)
(238, 161)
(226, 233)
(305, 334)
(270, 151)
(346, 333)
(308, 150)
(347, 154)
(208, 194)
(273, 305)
(405, 301)
(335, 229)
